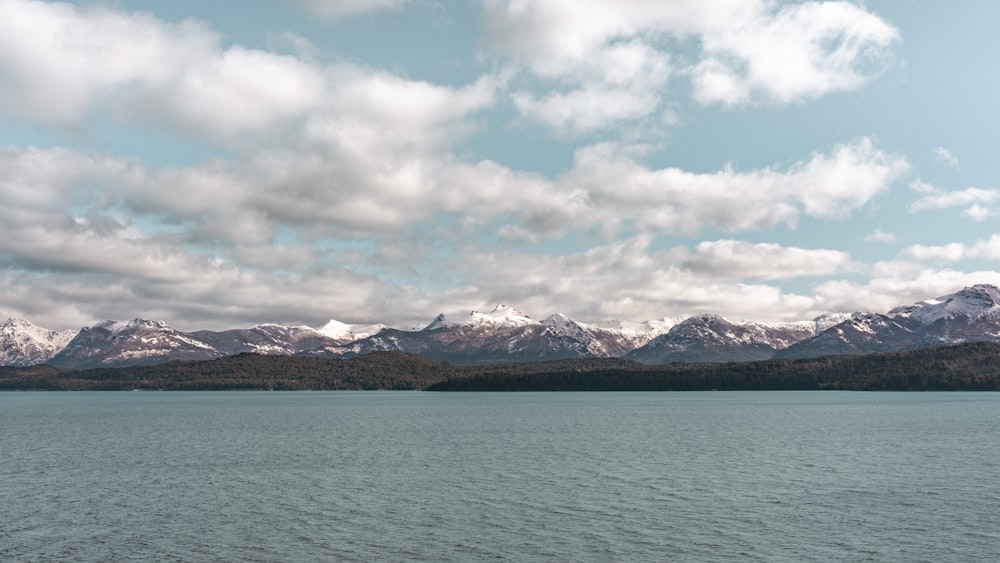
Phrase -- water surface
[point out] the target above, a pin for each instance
(361, 476)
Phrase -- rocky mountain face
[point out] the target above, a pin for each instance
(507, 335)
(24, 344)
(711, 338)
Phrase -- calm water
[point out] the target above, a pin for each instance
(363, 476)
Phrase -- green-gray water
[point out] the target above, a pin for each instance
(362, 476)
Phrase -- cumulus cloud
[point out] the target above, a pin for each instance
(799, 52)
(988, 249)
(975, 201)
(749, 52)
(343, 193)
(672, 200)
(59, 62)
(630, 279)
(898, 284)
(763, 261)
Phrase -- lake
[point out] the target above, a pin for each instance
(417, 476)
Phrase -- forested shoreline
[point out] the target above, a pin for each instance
(971, 367)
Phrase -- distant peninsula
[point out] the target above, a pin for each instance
(963, 367)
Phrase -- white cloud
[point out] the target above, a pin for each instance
(618, 83)
(944, 155)
(61, 64)
(628, 279)
(751, 51)
(987, 249)
(975, 199)
(337, 9)
(800, 52)
(60, 61)
(763, 261)
(892, 289)
(339, 172)
(952, 252)
(614, 187)
(878, 235)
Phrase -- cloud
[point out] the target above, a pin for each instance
(619, 83)
(338, 9)
(626, 51)
(944, 155)
(801, 51)
(59, 62)
(615, 189)
(878, 235)
(975, 199)
(763, 261)
(895, 286)
(344, 193)
(987, 249)
(940, 253)
(630, 279)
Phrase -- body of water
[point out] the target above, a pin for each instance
(409, 476)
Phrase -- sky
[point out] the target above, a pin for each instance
(222, 164)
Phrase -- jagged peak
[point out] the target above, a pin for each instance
(439, 321)
(16, 322)
(116, 327)
(703, 318)
(559, 319)
(972, 302)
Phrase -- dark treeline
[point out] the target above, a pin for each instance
(382, 370)
(974, 367)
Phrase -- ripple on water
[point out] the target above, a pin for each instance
(506, 477)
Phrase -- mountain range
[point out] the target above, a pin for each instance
(507, 335)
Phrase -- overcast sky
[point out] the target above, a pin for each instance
(222, 164)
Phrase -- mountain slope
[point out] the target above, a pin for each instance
(24, 344)
(267, 339)
(137, 342)
(504, 335)
(969, 315)
(712, 338)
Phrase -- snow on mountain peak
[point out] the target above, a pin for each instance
(343, 331)
(971, 303)
(22, 343)
(501, 315)
(116, 327)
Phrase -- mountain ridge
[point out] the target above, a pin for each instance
(506, 334)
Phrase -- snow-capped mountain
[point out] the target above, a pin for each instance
(504, 335)
(344, 333)
(137, 342)
(24, 344)
(969, 315)
(712, 338)
(862, 333)
(268, 339)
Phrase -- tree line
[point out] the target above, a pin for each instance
(972, 367)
